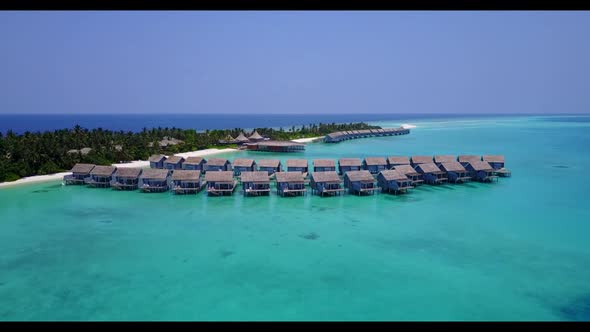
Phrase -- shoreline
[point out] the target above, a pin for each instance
(136, 163)
(307, 140)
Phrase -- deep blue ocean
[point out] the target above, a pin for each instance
(20, 123)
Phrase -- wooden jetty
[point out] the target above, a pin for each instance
(392, 181)
(186, 181)
(326, 183)
(360, 182)
(80, 172)
(126, 178)
(220, 183)
(290, 183)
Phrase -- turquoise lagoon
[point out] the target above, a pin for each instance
(515, 250)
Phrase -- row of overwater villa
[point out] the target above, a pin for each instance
(395, 174)
(340, 136)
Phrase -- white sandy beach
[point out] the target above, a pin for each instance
(408, 126)
(307, 140)
(138, 163)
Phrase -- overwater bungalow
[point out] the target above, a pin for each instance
(393, 161)
(481, 171)
(154, 180)
(80, 172)
(340, 136)
(157, 161)
(241, 139)
(497, 163)
(271, 166)
(375, 164)
(411, 173)
(431, 173)
(255, 183)
(255, 137)
(290, 183)
(443, 159)
(187, 181)
(324, 165)
(456, 173)
(218, 164)
(126, 178)
(195, 164)
(297, 165)
(173, 162)
(275, 146)
(415, 160)
(101, 176)
(360, 182)
(326, 183)
(466, 158)
(349, 164)
(243, 165)
(220, 183)
(392, 181)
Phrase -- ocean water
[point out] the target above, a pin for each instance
(513, 250)
(19, 123)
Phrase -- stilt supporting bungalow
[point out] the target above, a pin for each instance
(348, 164)
(126, 178)
(360, 182)
(220, 183)
(154, 180)
(393, 182)
(187, 181)
(411, 173)
(431, 173)
(326, 183)
(255, 183)
(481, 171)
(456, 173)
(80, 172)
(290, 184)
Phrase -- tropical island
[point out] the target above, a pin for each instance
(41, 153)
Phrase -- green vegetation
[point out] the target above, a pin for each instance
(50, 152)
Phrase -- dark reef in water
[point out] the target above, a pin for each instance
(577, 310)
(226, 253)
(560, 166)
(40, 191)
(310, 236)
(105, 221)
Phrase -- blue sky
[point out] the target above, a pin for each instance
(294, 62)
